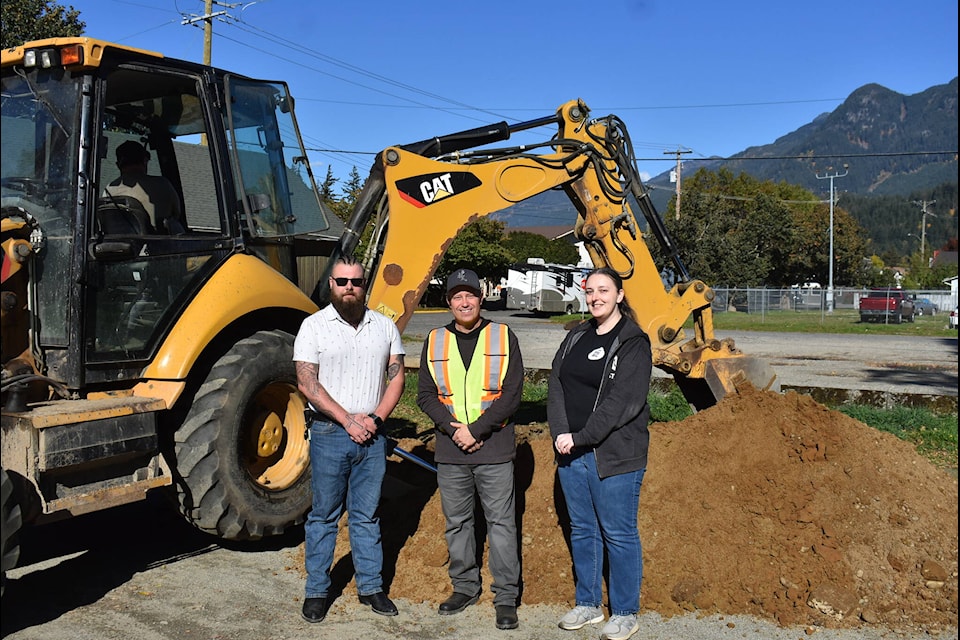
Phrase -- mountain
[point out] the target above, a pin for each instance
(876, 132)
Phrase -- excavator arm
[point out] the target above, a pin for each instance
(419, 196)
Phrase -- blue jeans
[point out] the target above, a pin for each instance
(349, 475)
(603, 516)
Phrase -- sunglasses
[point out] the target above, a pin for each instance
(342, 282)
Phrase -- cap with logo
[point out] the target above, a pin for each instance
(463, 279)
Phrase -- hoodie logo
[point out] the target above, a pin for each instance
(596, 354)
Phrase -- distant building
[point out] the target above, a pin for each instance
(943, 257)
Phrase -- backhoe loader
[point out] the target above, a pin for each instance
(141, 359)
(419, 195)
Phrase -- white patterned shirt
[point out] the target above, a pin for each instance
(352, 362)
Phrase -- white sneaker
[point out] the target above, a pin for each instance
(619, 628)
(580, 616)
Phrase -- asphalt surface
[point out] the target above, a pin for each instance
(885, 364)
(139, 571)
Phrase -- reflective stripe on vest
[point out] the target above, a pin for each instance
(467, 393)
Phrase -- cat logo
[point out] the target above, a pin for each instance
(421, 191)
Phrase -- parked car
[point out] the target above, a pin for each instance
(953, 318)
(924, 307)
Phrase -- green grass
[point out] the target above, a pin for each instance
(934, 436)
(843, 321)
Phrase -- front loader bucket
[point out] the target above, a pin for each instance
(726, 375)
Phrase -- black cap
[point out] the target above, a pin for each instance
(463, 279)
(131, 151)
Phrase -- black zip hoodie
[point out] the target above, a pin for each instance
(617, 429)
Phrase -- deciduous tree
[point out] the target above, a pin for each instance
(740, 232)
(25, 20)
(478, 246)
(524, 244)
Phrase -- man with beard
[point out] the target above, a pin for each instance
(350, 368)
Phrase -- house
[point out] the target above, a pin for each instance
(952, 281)
(943, 257)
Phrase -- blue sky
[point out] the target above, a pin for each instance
(710, 77)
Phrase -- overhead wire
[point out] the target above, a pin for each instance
(455, 107)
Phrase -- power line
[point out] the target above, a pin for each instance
(456, 106)
(810, 157)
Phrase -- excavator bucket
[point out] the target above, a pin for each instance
(726, 375)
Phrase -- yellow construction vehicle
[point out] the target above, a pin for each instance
(139, 355)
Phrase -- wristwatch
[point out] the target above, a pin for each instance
(377, 420)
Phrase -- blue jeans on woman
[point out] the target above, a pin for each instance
(603, 515)
(345, 474)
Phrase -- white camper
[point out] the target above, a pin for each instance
(544, 288)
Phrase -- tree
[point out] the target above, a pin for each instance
(326, 187)
(25, 20)
(740, 232)
(523, 245)
(478, 246)
(352, 187)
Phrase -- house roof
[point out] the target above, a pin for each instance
(943, 257)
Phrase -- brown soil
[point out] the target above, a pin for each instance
(767, 505)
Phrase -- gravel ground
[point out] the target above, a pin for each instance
(116, 592)
(893, 365)
(139, 572)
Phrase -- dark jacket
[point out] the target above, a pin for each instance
(494, 426)
(617, 429)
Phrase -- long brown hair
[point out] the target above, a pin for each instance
(623, 305)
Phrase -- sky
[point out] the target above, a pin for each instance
(711, 78)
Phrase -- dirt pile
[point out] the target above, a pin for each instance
(768, 505)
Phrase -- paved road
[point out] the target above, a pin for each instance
(890, 364)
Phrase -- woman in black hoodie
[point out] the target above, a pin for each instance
(598, 413)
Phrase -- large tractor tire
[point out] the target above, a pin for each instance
(9, 526)
(242, 462)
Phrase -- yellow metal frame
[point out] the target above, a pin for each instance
(93, 51)
(224, 299)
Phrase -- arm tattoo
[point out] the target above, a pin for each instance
(308, 376)
(393, 368)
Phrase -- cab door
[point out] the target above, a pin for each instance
(140, 276)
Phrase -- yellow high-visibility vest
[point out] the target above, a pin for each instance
(467, 393)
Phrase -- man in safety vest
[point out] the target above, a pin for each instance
(471, 380)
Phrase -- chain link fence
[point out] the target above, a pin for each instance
(763, 299)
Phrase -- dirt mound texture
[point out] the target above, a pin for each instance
(765, 504)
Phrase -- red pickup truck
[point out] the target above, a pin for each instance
(886, 305)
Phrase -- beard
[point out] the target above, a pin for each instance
(350, 308)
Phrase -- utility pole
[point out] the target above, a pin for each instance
(208, 33)
(923, 226)
(207, 19)
(835, 174)
(679, 164)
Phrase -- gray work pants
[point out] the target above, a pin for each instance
(494, 484)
